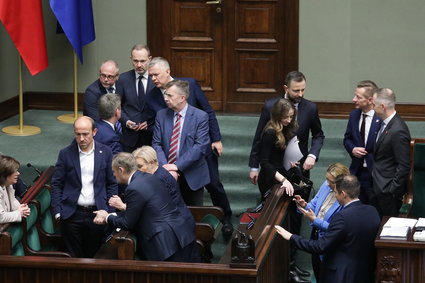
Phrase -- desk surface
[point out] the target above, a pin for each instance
(397, 244)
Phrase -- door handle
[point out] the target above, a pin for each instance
(214, 2)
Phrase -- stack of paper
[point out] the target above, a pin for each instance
(420, 225)
(397, 228)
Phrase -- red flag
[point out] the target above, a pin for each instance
(23, 20)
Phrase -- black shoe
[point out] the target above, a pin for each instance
(301, 272)
(227, 228)
(294, 277)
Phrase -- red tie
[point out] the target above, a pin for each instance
(172, 153)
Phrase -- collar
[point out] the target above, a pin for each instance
(388, 119)
(354, 200)
(183, 111)
(369, 113)
(129, 178)
(86, 153)
(109, 123)
(144, 75)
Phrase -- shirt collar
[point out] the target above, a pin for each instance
(388, 119)
(183, 111)
(86, 153)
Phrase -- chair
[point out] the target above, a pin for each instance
(31, 240)
(10, 240)
(414, 200)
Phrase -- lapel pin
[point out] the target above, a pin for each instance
(100, 151)
(377, 120)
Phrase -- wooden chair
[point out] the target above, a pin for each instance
(414, 200)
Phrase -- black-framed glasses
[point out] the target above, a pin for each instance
(109, 77)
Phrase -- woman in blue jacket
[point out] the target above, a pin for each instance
(321, 208)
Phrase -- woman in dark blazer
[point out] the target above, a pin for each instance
(276, 134)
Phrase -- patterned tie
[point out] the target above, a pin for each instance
(363, 128)
(111, 90)
(118, 128)
(172, 153)
(380, 131)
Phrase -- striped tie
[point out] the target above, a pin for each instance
(172, 153)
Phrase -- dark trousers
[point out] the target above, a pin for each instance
(190, 197)
(315, 257)
(386, 204)
(81, 236)
(215, 187)
(365, 179)
(144, 138)
(190, 253)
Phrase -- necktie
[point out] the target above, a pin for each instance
(118, 128)
(140, 87)
(380, 131)
(111, 90)
(363, 128)
(172, 153)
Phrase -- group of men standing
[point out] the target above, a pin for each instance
(378, 142)
(143, 106)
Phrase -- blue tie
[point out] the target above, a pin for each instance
(118, 128)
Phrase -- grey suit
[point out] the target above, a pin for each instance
(391, 167)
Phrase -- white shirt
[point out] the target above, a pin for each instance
(110, 124)
(86, 197)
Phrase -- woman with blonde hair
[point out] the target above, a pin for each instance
(147, 162)
(321, 208)
(10, 208)
(276, 135)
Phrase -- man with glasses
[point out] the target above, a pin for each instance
(107, 83)
(137, 118)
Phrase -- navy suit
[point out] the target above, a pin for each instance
(162, 233)
(137, 110)
(107, 136)
(353, 139)
(308, 120)
(92, 95)
(194, 145)
(391, 167)
(198, 99)
(348, 245)
(81, 237)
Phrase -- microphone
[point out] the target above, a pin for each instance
(36, 169)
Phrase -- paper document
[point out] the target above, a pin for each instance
(400, 222)
(292, 153)
(395, 233)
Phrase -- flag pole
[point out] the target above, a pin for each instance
(21, 129)
(70, 118)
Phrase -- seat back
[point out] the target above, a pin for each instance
(418, 181)
(46, 220)
(31, 237)
(16, 233)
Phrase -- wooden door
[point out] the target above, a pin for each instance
(238, 50)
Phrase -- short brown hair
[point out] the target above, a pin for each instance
(8, 166)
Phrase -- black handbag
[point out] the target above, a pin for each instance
(302, 185)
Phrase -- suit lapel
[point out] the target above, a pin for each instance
(385, 132)
(168, 130)
(187, 124)
(98, 158)
(373, 131)
(76, 160)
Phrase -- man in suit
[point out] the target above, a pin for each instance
(307, 119)
(181, 140)
(109, 114)
(137, 118)
(162, 232)
(159, 71)
(107, 83)
(348, 246)
(360, 135)
(82, 183)
(391, 155)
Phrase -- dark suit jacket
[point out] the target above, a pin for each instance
(133, 108)
(353, 139)
(197, 99)
(194, 144)
(392, 159)
(66, 180)
(92, 95)
(308, 120)
(348, 245)
(160, 229)
(107, 136)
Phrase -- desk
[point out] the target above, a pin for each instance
(399, 260)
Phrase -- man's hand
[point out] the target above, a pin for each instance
(100, 217)
(359, 152)
(253, 177)
(116, 202)
(285, 234)
(309, 163)
(136, 127)
(218, 146)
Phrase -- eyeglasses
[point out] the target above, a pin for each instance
(109, 77)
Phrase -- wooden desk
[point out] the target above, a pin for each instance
(399, 260)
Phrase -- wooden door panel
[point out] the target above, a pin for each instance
(238, 50)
